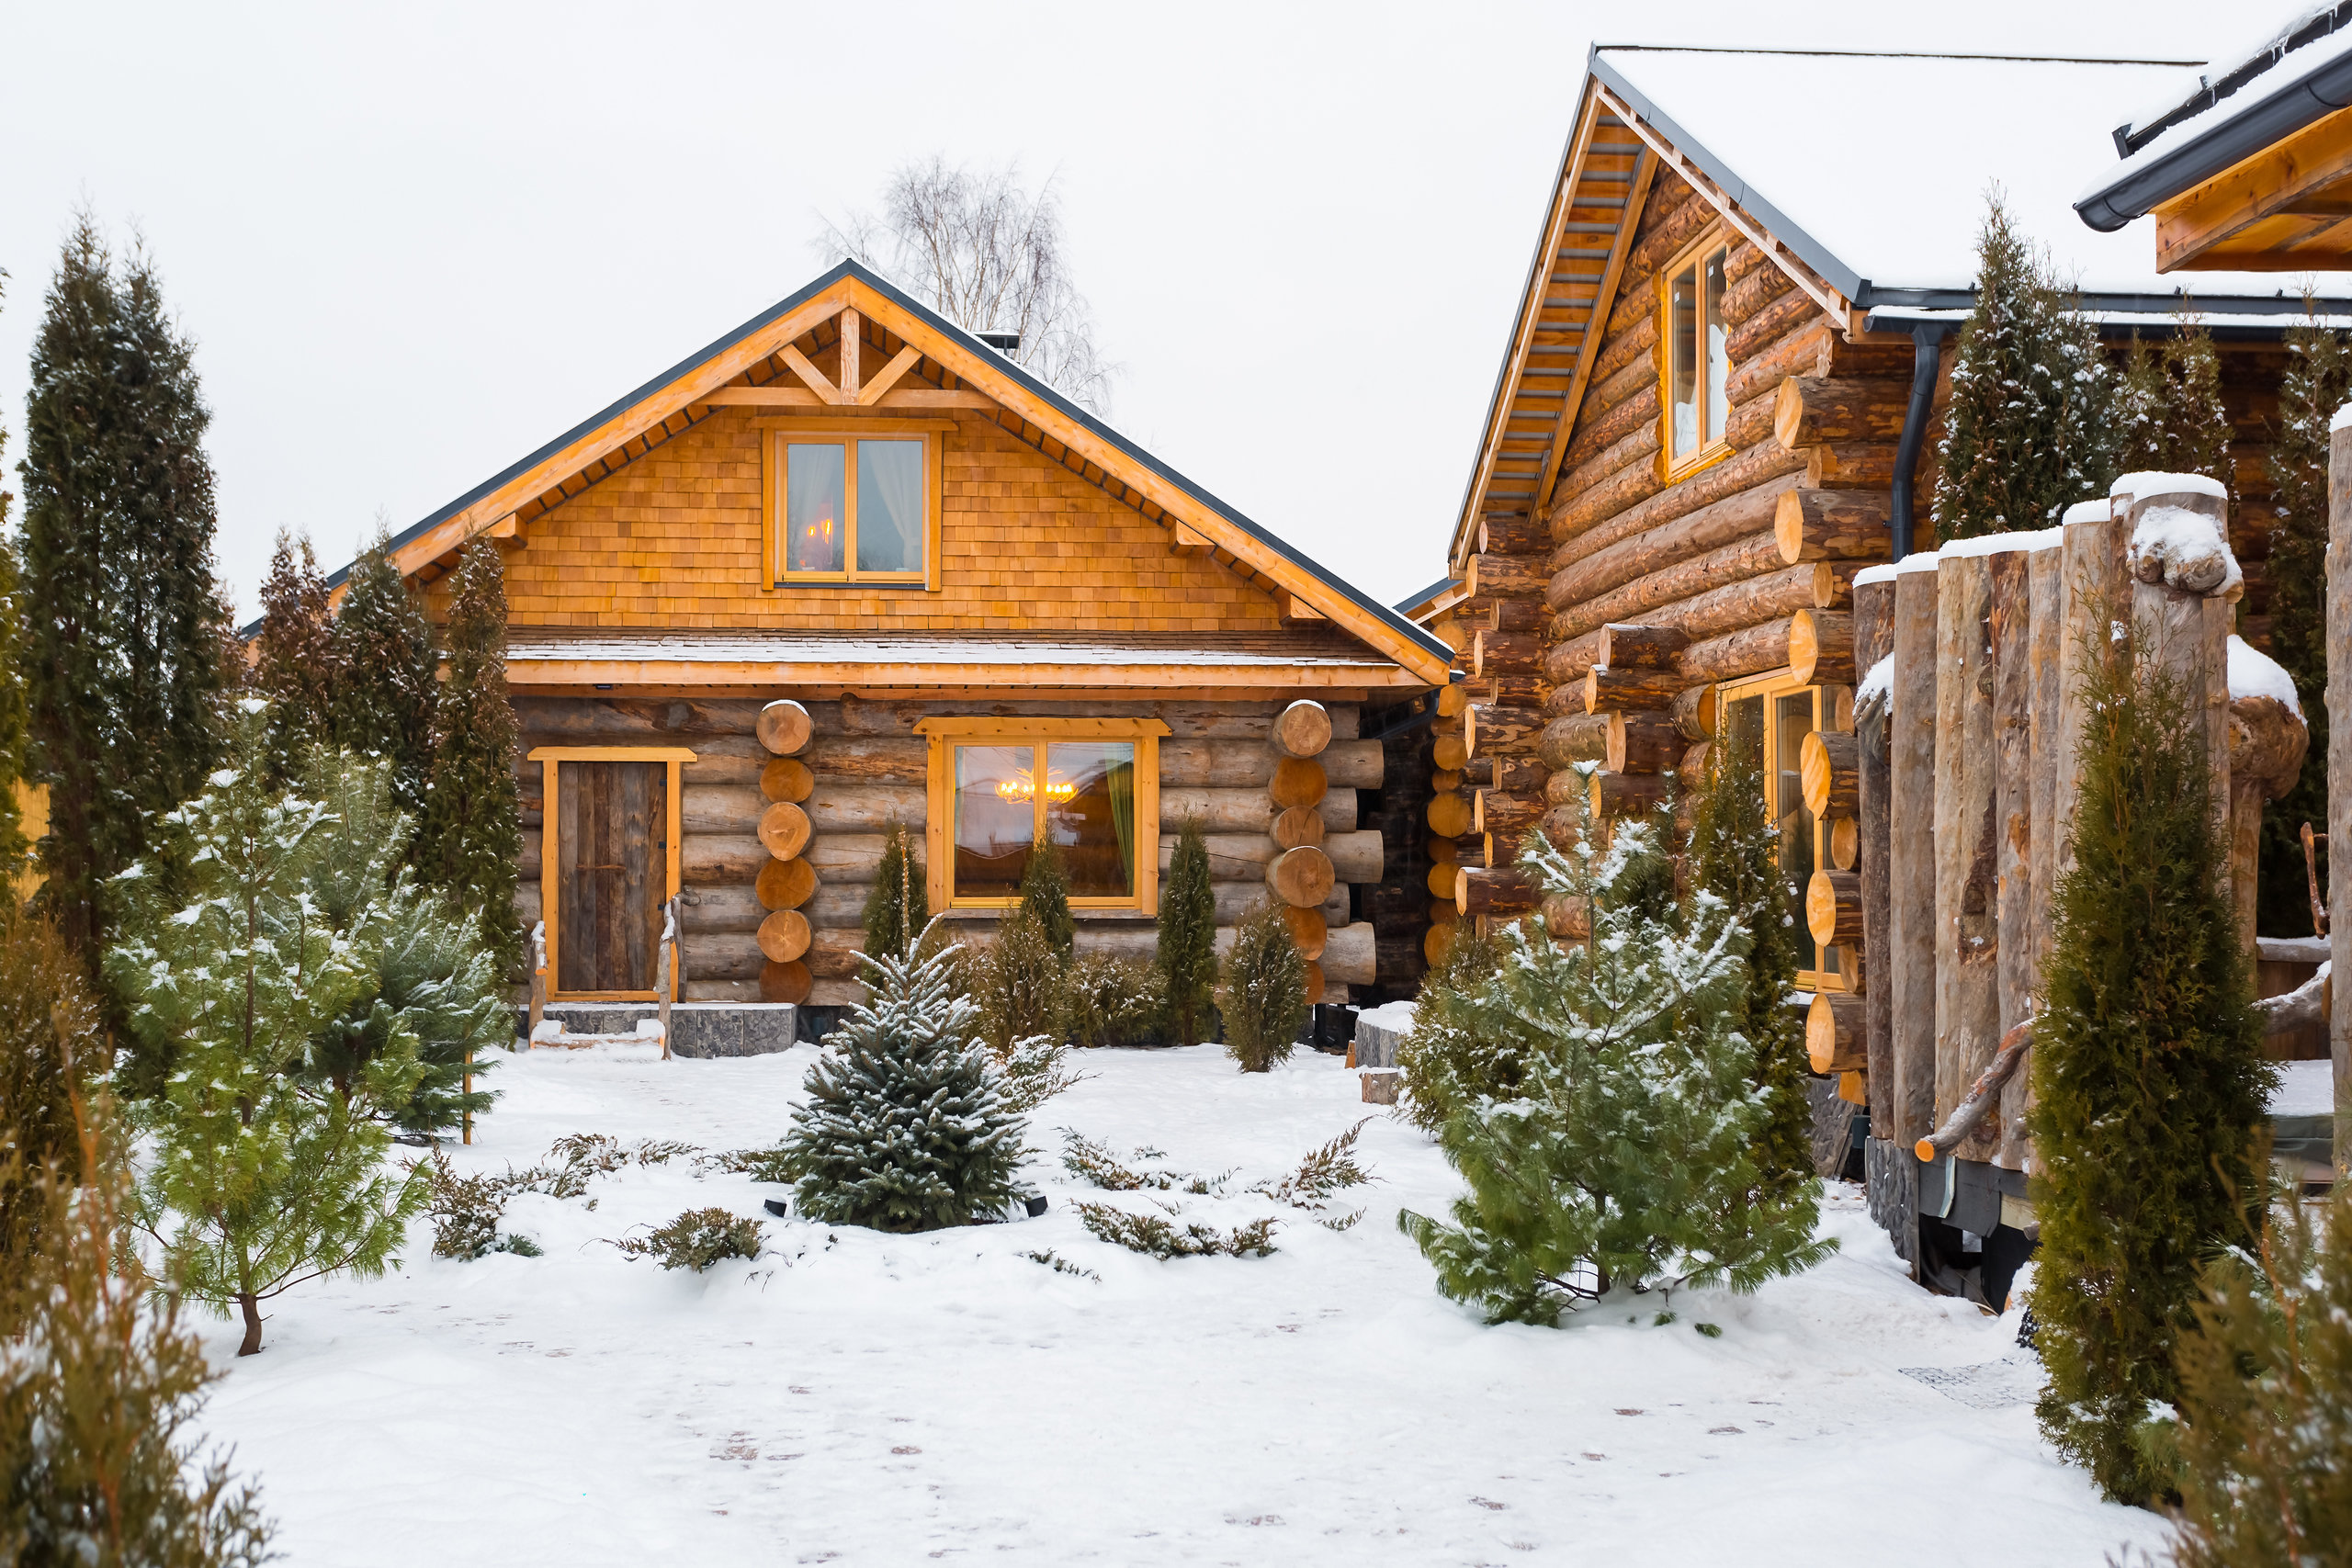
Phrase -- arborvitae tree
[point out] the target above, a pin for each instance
(2266, 1397)
(261, 1178)
(1261, 992)
(124, 657)
(2026, 437)
(385, 683)
(1733, 847)
(899, 908)
(298, 661)
(1186, 956)
(1627, 1159)
(51, 1040)
(471, 836)
(14, 846)
(436, 987)
(2168, 415)
(905, 1127)
(101, 1384)
(1044, 893)
(2317, 382)
(2148, 1076)
(1467, 1043)
(1020, 984)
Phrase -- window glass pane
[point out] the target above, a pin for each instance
(1091, 812)
(1718, 360)
(996, 819)
(1791, 722)
(889, 506)
(1682, 357)
(812, 507)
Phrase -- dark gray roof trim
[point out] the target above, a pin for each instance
(930, 318)
(2131, 137)
(1404, 605)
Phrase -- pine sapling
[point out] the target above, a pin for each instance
(1261, 995)
(1186, 954)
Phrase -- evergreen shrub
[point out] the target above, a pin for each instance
(1114, 1000)
(1464, 1047)
(51, 1035)
(1186, 953)
(1261, 996)
(1019, 983)
(2266, 1397)
(1155, 1236)
(1627, 1159)
(389, 672)
(899, 908)
(471, 839)
(697, 1239)
(2148, 1078)
(905, 1127)
(298, 659)
(1044, 893)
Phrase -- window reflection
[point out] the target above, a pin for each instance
(816, 508)
(996, 819)
(1091, 814)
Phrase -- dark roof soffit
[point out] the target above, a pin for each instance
(1005, 367)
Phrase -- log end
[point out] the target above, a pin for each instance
(784, 727)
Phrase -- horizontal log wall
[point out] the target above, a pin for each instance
(868, 769)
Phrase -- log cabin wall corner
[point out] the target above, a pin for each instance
(850, 568)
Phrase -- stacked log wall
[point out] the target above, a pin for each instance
(866, 768)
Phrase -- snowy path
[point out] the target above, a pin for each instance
(888, 1399)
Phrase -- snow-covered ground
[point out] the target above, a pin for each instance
(869, 1399)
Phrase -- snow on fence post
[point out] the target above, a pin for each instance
(2339, 764)
(2185, 588)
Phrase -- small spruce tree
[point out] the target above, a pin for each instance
(123, 659)
(1732, 850)
(1186, 954)
(2168, 415)
(2148, 1076)
(2266, 1397)
(905, 1128)
(2026, 437)
(2317, 382)
(383, 651)
(1020, 984)
(298, 661)
(1044, 893)
(1261, 994)
(899, 908)
(471, 835)
(1627, 1159)
(260, 1178)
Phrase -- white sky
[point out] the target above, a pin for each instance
(414, 241)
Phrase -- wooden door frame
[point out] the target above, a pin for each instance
(550, 906)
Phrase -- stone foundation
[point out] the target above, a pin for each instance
(696, 1029)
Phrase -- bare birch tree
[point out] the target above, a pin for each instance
(987, 254)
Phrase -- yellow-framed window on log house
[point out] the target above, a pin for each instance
(852, 502)
(999, 787)
(608, 861)
(1769, 717)
(1694, 365)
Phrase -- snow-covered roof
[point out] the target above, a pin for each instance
(1881, 186)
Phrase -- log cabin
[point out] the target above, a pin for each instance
(2247, 166)
(851, 565)
(1717, 407)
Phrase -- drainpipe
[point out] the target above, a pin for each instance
(1926, 348)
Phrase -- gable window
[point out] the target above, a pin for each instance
(853, 504)
(1001, 788)
(1696, 364)
(1769, 717)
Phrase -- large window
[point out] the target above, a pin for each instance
(848, 505)
(1697, 363)
(1002, 787)
(1768, 719)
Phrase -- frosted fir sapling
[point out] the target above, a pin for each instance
(1261, 993)
(1627, 1160)
(262, 1176)
(2149, 1081)
(905, 1127)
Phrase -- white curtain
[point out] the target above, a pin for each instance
(889, 506)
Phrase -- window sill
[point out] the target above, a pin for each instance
(1674, 473)
(1076, 913)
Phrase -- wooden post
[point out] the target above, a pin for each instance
(2043, 566)
(1874, 640)
(665, 962)
(2012, 636)
(2188, 631)
(2339, 774)
(1911, 862)
(2091, 597)
(468, 1136)
(539, 982)
(1967, 939)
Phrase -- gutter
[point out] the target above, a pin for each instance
(2137, 192)
(1927, 358)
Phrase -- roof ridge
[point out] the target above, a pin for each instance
(1892, 54)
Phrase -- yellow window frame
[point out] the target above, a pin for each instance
(777, 435)
(1711, 450)
(549, 757)
(1830, 708)
(946, 734)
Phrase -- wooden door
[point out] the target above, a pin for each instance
(611, 874)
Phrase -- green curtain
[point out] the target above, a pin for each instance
(1120, 783)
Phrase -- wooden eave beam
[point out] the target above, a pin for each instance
(1080, 676)
(2267, 184)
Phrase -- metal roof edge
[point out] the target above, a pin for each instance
(2133, 193)
(852, 270)
(1810, 251)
